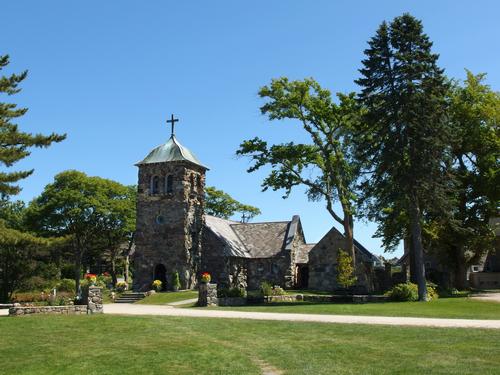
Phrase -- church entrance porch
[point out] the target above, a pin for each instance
(160, 273)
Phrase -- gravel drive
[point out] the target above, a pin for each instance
(131, 309)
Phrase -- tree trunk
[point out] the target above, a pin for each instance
(113, 268)
(78, 269)
(461, 282)
(411, 260)
(349, 239)
(416, 237)
(125, 273)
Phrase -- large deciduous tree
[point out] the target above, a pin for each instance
(324, 164)
(405, 136)
(91, 211)
(466, 237)
(221, 204)
(17, 250)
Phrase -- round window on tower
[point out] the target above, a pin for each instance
(160, 219)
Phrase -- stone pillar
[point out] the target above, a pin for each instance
(94, 300)
(207, 294)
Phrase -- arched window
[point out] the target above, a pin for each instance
(169, 184)
(155, 185)
(200, 183)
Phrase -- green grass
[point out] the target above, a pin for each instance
(168, 297)
(105, 344)
(465, 308)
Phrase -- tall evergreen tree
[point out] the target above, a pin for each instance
(405, 135)
(15, 143)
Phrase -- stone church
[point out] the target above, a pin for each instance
(174, 234)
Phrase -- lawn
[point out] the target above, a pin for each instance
(168, 297)
(465, 308)
(105, 344)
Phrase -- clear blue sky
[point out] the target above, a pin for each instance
(109, 73)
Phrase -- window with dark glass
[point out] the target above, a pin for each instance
(169, 185)
(155, 185)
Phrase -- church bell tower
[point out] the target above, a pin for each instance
(170, 202)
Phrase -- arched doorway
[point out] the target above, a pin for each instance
(161, 274)
(302, 276)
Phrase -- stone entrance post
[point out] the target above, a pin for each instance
(207, 295)
(94, 300)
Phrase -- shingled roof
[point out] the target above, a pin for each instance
(249, 240)
(233, 246)
(262, 240)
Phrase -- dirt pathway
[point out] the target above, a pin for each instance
(492, 297)
(131, 309)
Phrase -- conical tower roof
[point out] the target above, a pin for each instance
(171, 151)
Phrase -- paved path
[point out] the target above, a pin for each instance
(492, 297)
(131, 309)
(183, 302)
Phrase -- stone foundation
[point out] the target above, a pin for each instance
(207, 295)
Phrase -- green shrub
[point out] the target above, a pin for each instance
(432, 292)
(121, 286)
(66, 285)
(37, 283)
(176, 283)
(266, 288)
(409, 292)
(231, 292)
(105, 280)
(278, 291)
(404, 292)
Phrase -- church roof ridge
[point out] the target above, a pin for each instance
(172, 150)
(261, 222)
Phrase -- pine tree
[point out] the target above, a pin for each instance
(405, 136)
(15, 143)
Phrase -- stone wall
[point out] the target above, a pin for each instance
(275, 270)
(92, 297)
(232, 301)
(52, 310)
(337, 298)
(169, 224)
(485, 280)
(227, 272)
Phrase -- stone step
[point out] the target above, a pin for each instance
(129, 297)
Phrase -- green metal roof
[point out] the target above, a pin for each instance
(171, 151)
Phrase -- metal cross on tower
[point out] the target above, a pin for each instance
(172, 121)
